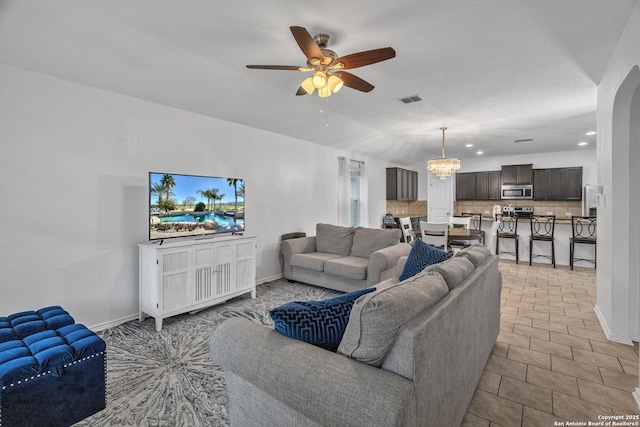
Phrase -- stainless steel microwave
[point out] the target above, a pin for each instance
(517, 192)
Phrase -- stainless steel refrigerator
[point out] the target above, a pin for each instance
(590, 200)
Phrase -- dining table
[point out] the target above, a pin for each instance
(459, 233)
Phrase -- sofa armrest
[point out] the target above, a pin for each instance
(382, 263)
(328, 388)
(289, 247)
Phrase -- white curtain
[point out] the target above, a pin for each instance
(344, 175)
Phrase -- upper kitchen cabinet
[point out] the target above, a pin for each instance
(517, 175)
(402, 184)
(478, 186)
(564, 184)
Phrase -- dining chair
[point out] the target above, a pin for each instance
(507, 229)
(435, 233)
(583, 230)
(459, 222)
(407, 229)
(542, 229)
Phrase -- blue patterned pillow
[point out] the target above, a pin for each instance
(321, 323)
(421, 256)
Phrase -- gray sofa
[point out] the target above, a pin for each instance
(343, 258)
(412, 355)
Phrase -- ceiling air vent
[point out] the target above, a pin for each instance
(523, 140)
(410, 99)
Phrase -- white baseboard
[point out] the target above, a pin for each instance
(269, 279)
(607, 331)
(113, 323)
(636, 394)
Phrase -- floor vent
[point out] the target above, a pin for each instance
(523, 140)
(410, 99)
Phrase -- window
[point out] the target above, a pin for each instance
(354, 193)
(352, 205)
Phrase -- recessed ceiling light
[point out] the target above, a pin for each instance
(591, 132)
(479, 152)
(582, 143)
(469, 145)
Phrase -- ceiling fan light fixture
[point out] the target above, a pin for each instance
(307, 85)
(324, 91)
(319, 80)
(335, 83)
(443, 167)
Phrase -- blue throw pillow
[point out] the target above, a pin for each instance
(321, 323)
(421, 256)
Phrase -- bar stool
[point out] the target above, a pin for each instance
(476, 221)
(507, 229)
(542, 229)
(583, 229)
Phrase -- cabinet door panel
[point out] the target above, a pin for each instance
(493, 189)
(573, 184)
(540, 184)
(555, 184)
(465, 186)
(482, 186)
(174, 273)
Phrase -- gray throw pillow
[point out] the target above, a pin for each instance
(334, 239)
(454, 270)
(368, 240)
(376, 318)
(476, 254)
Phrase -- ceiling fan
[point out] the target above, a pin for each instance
(328, 69)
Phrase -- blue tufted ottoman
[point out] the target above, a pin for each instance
(52, 370)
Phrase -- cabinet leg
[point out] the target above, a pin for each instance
(253, 293)
(158, 324)
(141, 316)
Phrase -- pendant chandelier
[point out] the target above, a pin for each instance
(443, 167)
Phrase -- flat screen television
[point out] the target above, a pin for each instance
(191, 205)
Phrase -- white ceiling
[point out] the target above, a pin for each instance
(492, 71)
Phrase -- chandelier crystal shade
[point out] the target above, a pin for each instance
(443, 167)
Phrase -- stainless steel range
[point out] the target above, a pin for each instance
(519, 211)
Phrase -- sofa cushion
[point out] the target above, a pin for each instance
(422, 255)
(368, 240)
(454, 270)
(376, 318)
(321, 323)
(311, 261)
(476, 254)
(334, 239)
(350, 267)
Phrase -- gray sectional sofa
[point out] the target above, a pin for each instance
(343, 258)
(412, 354)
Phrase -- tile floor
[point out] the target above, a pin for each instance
(552, 362)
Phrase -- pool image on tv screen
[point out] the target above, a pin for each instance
(191, 205)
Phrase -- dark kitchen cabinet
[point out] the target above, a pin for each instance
(482, 185)
(493, 188)
(466, 186)
(478, 185)
(517, 175)
(573, 183)
(558, 184)
(402, 184)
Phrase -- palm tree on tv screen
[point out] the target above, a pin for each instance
(159, 189)
(208, 194)
(220, 197)
(168, 181)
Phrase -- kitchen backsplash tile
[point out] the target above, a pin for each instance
(561, 209)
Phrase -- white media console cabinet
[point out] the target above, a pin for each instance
(183, 276)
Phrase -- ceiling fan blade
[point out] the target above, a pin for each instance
(307, 44)
(301, 91)
(274, 67)
(355, 82)
(361, 59)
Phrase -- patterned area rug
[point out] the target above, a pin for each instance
(166, 378)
